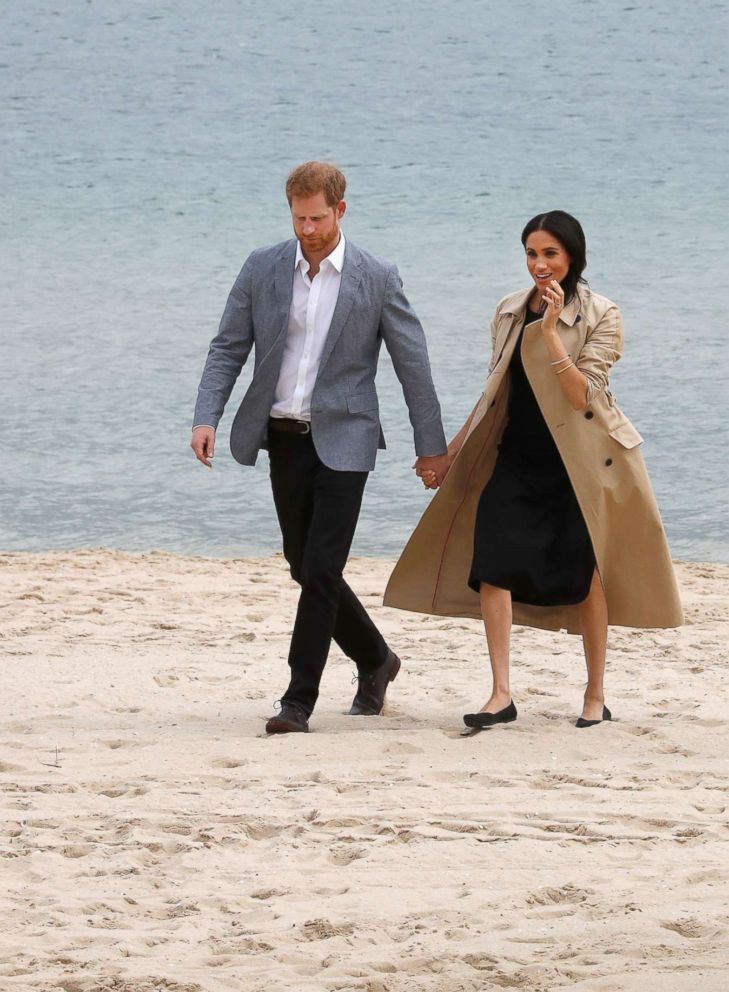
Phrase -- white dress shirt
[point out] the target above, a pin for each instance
(310, 316)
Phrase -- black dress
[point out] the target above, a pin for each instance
(530, 536)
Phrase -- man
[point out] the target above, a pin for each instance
(316, 308)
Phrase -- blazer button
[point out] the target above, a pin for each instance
(589, 415)
(493, 402)
(608, 461)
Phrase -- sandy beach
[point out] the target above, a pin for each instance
(154, 840)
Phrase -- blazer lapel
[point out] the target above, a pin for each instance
(283, 280)
(351, 278)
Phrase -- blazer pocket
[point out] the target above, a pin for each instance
(362, 401)
(626, 435)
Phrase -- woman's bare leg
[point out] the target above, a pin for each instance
(496, 612)
(594, 617)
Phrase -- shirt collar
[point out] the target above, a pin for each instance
(336, 257)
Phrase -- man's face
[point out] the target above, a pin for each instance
(316, 224)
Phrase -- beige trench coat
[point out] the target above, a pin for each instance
(601, 452)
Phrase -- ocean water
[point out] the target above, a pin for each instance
(144, 152)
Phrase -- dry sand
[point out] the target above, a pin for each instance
(154, 840)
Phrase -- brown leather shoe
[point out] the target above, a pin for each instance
(372, 686)
(290, 719)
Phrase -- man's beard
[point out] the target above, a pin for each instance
(321, 241)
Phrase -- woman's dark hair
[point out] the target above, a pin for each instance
(567, 230)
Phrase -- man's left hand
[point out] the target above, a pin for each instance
(432, 469)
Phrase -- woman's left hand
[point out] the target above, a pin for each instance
(554, 298)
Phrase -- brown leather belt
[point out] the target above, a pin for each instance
(288, 425)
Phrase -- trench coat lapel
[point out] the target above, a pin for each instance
(516, 312)
(513, 317)
(517, 304)
(351, 278)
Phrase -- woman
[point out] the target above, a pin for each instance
(546, 516)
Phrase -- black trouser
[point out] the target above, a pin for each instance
(317, 510)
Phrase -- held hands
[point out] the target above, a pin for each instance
(554, 298)
(203, 444)
(431, 470)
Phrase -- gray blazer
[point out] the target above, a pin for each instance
(345, 423)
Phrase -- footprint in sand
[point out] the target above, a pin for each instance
(401, 747)
(383, 967)
(77, 850)
(698, 877)
(690, 927)
(182, 829)
(549, 896)
(322, 929)
(675, 749)
(116, 792)
(6, 767)
(574, 829)
(260, 830)
(688, 833)
(265, 894)
(481, 962)
(337, 891)
(343, 856)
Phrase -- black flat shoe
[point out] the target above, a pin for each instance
(482, 720)
(606, 715)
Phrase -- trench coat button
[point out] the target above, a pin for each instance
(589, 415)
(608, 461)
(493, 402)
(578, 319)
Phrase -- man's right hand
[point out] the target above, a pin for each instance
(432, 469)
(203, 444)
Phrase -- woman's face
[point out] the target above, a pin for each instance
(546, 258)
